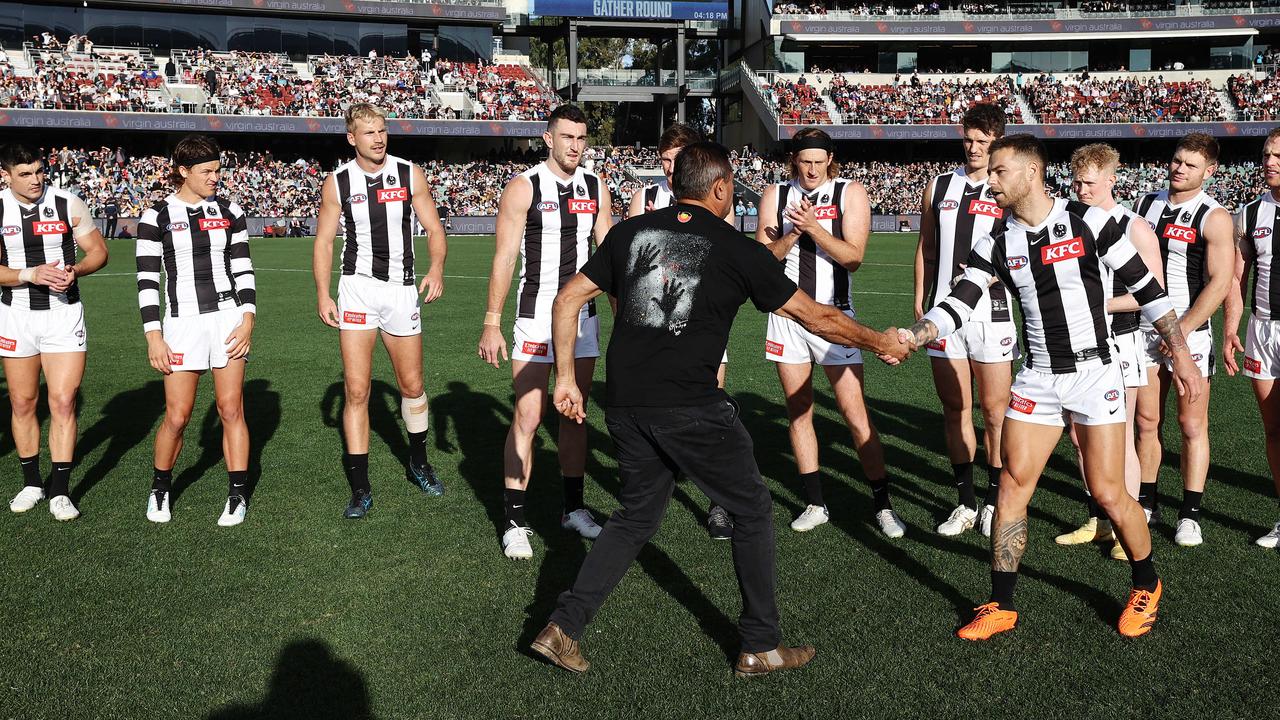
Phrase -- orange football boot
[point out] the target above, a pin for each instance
(1140, 612)
(989, 621)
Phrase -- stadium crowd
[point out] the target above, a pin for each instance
(1256, 99)
(920, 102)
(1090, 100)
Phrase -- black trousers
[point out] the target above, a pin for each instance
(111, 228)
(709, 445)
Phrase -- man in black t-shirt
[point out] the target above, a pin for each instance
(680, 274)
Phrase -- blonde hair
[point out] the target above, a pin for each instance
(363, 111)
(1098, 155)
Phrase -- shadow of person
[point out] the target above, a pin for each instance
(384, 417)
(479, 423)
(262, 413)
(308, 683)
(126, 422)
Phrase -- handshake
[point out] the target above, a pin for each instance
(897, 344)
(52, 275)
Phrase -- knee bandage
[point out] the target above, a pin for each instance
(414, 412)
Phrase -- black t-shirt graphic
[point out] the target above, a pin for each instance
(680, 274)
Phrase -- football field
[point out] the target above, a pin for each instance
(413, 612)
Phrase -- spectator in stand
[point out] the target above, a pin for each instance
(1123, 100)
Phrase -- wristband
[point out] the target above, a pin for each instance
(493, 319)
(26, 275)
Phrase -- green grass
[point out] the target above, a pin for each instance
(414, 613)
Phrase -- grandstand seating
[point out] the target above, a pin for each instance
(1256, 98)
(1123, 100)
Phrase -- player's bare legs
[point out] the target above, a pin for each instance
(22, 376)
(405, 352)
(1269, 406)
(1102, 454)
(228, 388)
(179, 399)
(953, 380)
(62, 375)
(797, 387)
(1193, 421)
(529, 381)
(1148, 420)
(357, 372)
(847, 384)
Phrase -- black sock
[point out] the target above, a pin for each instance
(357, 467)
(1002, 584)
(31, 471)
(162, 480)
(993, 484)
(573, 487)
(1147, 495)
(513, 506)
(964, 484)
(418, 448)
(60, 479)
(238, 483)
(880, 494)
(1190, 505)
(813, 487)
(1094, 510)
(1144, 574)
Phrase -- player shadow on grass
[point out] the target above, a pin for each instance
(262, 414)
(308, 683)
(384, 417)
(125, 424)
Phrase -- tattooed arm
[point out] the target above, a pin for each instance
(1186, 375)
(952, 311)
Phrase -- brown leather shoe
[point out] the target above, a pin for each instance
(562, 650)
(779, 658)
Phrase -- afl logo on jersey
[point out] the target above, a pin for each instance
(1017, 262)
(946, 205)
(1261, 232)
(390, 195)
(176, 227)
(826, 212)
(548, 206)
(582, 207)
(358, 199)
(11, 230)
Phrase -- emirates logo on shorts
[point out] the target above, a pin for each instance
(1021, 404)
(534, 348)
(353, 318)
(1112, 395)
(1252, 365)
(8, 344)
(177, 358)
(772, 347)
(938, 345)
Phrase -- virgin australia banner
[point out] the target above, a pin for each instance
(262, 124)
(1156, 25)
(1048, 132)
(385, 9)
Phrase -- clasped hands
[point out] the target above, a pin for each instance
(899, 343)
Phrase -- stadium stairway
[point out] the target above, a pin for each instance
(1228, 105)
(1028, 115)
(833, 112)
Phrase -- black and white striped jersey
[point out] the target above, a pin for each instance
(557, 236)
(204, 252)
(1259, 224)
(1056, 271)
(658, 196)
(1180, 230)
(377, 220)
(40, 234)
(963, 213)
(1122, 322)
(807, 264)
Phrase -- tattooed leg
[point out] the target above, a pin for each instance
(1026, 448)
(1008, 542)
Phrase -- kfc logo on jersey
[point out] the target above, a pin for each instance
(11, 230)
(1111, 395)
(773, 348)
(8, 344)
(1252, 365)
(358, 199)
(1058, 252)
(582, 207)
(946, 205)
(1021, 404)
(1017, 262)
(534, 348)
(1180, 232)
(353, 318)
(548, 206)
(51, 227)
(207, 224)
(826, 212)
(1261, 232)
(389, 195)
(985, 207)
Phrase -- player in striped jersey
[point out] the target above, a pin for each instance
(1257, 231)
(42, 318)
(655, 197)
(1051, 253)
(818, 225)
(201, 242)
(957, 211)
(1093, 169)
(375, 200)
(1195, 236)
(547, 216)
